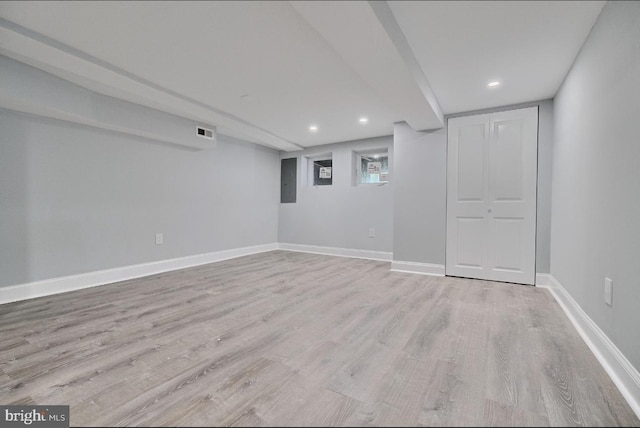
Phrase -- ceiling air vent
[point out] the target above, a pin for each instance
(207, 133)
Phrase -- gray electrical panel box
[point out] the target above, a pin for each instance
(288, 180)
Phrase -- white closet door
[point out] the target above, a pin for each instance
(491, 196)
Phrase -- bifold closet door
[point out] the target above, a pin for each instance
(491, 196)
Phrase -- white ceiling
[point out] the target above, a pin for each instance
(528, 46)
(265, 71)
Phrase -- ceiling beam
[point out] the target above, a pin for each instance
(71, 64)
(391, 26)
(356, 34)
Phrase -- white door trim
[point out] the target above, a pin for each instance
(492, 195)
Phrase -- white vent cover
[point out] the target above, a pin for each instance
(207, 133)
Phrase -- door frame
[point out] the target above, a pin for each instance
(503, 109)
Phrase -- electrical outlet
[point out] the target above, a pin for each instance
(608, 291)
(372, 232)
(159, 239)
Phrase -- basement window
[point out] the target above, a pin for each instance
(323, 172)
(372, 166)
(319, 169)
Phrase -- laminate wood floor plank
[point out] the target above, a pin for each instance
(510, 379)
(502, 415)
(575, 388)
(23, 401)
(230, 398)
(450, 400)
(400, 399)
(317, 407)
(459, 378)
(287, 339)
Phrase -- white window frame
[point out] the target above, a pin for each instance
(357, 165)
(307, 172)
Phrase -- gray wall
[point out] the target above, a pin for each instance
(596, 177)
(419, 205)
(340, 215)
(545, 177)
(76, 199)
(27, 89)
(545, 154)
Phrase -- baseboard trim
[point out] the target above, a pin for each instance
(335, 251)
(619, 369)
(415, 267)
(48, 287)
(543, 279)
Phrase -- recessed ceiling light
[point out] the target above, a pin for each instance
(363, 120)
(493, 84)
(313, 128)
(376, 156)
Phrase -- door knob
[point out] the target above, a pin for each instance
(489, 210)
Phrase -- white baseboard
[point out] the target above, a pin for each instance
(414, 267)
(622, 373)
(63, 284)
(543, 279)
(341, 252)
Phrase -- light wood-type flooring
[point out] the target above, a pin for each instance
(284, 338)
